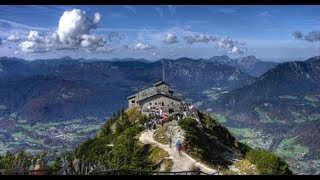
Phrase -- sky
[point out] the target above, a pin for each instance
(271, 33)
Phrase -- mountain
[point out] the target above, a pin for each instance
(124, 143)
(249, 64)
(130, 59)
(63, 85)
(282, 104)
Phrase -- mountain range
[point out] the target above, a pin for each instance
(275, 103)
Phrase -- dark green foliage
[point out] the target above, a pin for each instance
(205, 142)
(119, 149)
(268, 163)
(20, 160)
(203, 145)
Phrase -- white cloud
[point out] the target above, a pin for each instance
(170, 38)
(197, 38)
(234, 46)
(140, 47)
(73, 24)
(312, 36)
(13, 38)
(226, 43)
(74, 32)
(236, 50)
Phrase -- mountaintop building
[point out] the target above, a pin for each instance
(158, 96)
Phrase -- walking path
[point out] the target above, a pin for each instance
(181, 162)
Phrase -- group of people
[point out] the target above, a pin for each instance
(77, 167)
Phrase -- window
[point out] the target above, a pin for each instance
(150, 103)
(133, 101)
(155, 103)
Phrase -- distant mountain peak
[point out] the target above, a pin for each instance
(248, 59)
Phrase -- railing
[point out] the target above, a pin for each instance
(27, 172)
(136, 172)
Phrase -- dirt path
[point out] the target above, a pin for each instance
(181, 162)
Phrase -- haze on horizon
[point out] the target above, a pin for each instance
(271, 33)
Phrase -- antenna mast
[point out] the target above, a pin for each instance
(163, 74)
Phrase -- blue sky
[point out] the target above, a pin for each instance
(154, 32)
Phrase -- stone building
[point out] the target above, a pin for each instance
(158, 96)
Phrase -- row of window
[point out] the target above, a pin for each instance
(162, 103)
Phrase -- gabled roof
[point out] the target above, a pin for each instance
(162, 94)
(160, 82)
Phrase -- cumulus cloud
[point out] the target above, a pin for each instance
(140, 47)
(237, 50)
(74, 32)
(196, 38)
(234, 46)
(36, 43)
(170, 38)
(312, 36)
(226, 43)
(13, 38)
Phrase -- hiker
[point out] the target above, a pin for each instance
(31, 167)
(38, 167)
(76, 165)
(179, 146)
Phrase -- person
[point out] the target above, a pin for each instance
(38, 167)
(76, 165)
(31, 167)
(179, 146)
(154, 125)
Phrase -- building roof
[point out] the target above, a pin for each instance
(161, 82)
(162, 94)
(153, 91)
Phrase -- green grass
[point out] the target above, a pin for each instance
(35, 141)
(287, 147)
(27, 127)
(198, 104)
(22, 121)
(158, 155)
(18, 135)
(264, 117)
(298, 118)
(311, 98)
(214, 92)
(220, 118)
(287, 97)
(161, 136)
(89, 128)
(244, 132)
